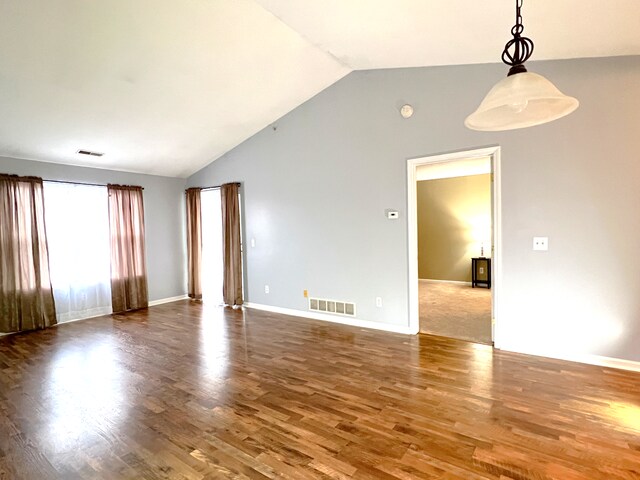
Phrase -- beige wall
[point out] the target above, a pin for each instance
(454, 217)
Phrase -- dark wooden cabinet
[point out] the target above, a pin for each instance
(481, 272)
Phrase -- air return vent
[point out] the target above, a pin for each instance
(337, 307)
(87, 152)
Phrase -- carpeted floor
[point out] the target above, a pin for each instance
(456, 311)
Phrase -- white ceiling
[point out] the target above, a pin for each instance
(165, 87)
(366, 34)
(458, 168)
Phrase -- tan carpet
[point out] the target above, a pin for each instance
(456, 311)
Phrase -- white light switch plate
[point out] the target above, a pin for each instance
(541, 243)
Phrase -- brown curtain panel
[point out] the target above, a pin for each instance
(26, 296)
(128, 263)
(231, 254)
(194, 243)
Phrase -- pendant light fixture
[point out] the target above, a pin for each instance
(523, 99)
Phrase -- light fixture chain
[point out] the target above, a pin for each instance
(522, 46)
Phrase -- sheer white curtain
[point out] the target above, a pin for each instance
(77, 222)
(212, 268)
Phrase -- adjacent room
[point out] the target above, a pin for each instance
(454, 226)
(277, 239)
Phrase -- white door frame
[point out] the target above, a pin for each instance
(412, 224)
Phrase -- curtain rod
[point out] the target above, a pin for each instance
(79, 183)
(215, 187)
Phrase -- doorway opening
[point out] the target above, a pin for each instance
(454, 244)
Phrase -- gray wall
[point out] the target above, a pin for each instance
(315, 191)
(164, 216)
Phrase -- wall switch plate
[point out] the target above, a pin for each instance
(266, 289)
(379, 302)
(392, 214)
(305, 293)
(253, 242)
(541, 243)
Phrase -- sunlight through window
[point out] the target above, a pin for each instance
(77, 221)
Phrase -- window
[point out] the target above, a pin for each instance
(77, 222)
(212, 263)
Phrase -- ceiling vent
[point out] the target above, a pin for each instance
(336, 307)
(87, 152)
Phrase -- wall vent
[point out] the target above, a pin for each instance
(87, 152)
(336, 307)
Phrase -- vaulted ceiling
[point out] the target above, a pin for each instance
(165, 86)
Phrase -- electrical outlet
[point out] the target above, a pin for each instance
(541, 243)
(379, 302)
(481, 270)
(266, 289)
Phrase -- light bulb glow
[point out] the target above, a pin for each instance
(518, 107)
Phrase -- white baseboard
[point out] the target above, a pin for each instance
(454, 282)
(62, 322)
(589, 359)
(330, 318)
(153, 303)
(614, 363)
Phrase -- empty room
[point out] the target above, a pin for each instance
(254, 239)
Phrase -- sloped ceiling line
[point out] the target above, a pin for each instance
(166, 89)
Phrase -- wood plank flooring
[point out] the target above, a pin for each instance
(181, 391)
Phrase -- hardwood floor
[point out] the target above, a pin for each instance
(180, 391)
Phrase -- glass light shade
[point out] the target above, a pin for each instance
(518, 101)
